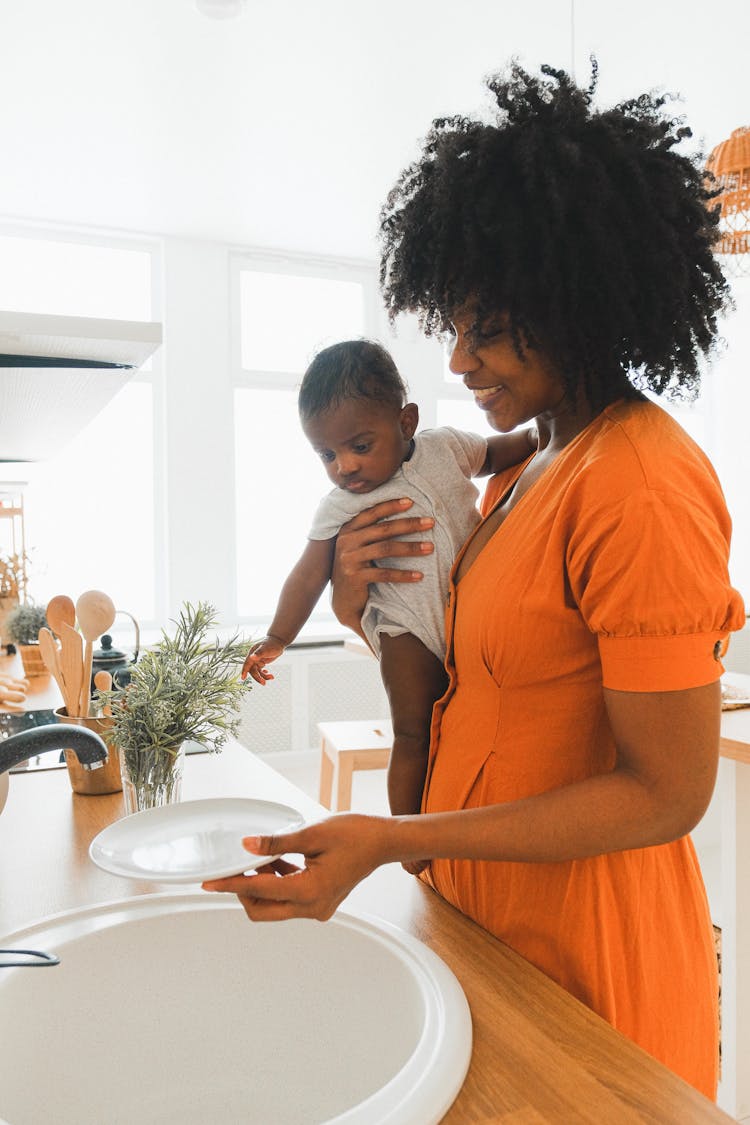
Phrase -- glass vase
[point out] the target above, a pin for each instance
(151, 777)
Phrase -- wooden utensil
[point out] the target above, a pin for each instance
(96, 614)
(103, 681)
(51, 657)
(61, 618)
(71, 661)
(60, 611)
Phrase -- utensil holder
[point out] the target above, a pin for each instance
(92, 783)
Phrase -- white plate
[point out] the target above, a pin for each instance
(190, 841)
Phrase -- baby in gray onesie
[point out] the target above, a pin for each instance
(437, 478)
(354, 411)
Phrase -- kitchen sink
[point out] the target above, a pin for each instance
(175, 1008)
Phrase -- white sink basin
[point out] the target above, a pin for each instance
(174, 1008)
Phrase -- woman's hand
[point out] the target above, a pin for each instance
(338, 853)
(362, 541)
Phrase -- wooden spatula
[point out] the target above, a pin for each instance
(51, 657)
(71, 661)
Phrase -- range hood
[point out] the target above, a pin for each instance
(58, 372)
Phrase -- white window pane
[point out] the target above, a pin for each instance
(279, 483)
(285, 320)
(90, 509)
(74, 279)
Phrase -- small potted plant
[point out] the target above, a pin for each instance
(22, 626)
(184, 689)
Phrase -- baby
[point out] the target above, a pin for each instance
(354, 412)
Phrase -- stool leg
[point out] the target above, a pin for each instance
(344, 783)
(326, 776)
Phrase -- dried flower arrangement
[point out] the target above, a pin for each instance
(13, 576)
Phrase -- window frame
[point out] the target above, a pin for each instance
(291, 265)
(320, 626)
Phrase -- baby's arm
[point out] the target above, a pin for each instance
(298, 598)
(505, 450)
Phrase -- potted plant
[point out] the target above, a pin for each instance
(184, 689)
(13, 581)
(22, 626)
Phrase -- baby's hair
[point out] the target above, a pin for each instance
(351, 369)
(586, 227)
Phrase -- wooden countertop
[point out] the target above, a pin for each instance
(539, 1055)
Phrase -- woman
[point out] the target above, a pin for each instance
(568, 253)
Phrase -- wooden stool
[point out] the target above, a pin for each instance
(348, 747)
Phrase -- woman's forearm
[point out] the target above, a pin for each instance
(611, 812)
(666, 761)
(667, 754)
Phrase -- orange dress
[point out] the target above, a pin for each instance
(610, 571)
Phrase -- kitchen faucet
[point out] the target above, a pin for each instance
(91, 753)
(88, 746)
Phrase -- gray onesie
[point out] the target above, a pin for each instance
(437, 477)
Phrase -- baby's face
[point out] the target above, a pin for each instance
(360, 442)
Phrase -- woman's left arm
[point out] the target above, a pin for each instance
(667, 756)
(667, 746)
(669, 742)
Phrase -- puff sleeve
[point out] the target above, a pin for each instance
(649, 574)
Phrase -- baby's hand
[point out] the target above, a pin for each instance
(261, 653)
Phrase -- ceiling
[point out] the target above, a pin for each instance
(285, 127)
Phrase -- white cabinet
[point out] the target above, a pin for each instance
(722, 840)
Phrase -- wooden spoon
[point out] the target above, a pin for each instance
(103, 681)
(60, 611)
(51, 657)
(96, 614)
(71, 660)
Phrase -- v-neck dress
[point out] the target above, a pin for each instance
(611, 571)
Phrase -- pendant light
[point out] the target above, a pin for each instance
(729, 163)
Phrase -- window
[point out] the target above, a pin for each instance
(279, 484)
(90, 511)
(286, 319)
(285, 316)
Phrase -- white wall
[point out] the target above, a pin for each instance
(198, 425)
